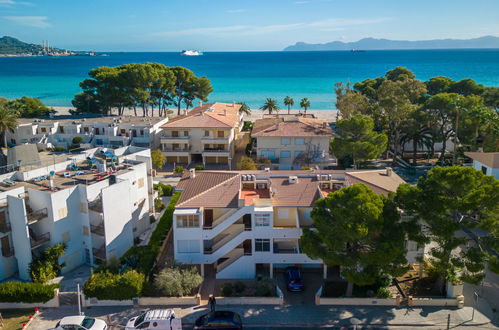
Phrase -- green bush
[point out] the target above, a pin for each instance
(58, 149)
(77, 140)
(178, 281)
(265, 288)
(179, 169)
(239, 287)
(199, 167)
(46, 266)
(106, 285)
(158, 204)
(383, 293)
(163, 189)
(247, 126)
(152, 219)
(19, 292)
(227, 290)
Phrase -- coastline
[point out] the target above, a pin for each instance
(328, 115)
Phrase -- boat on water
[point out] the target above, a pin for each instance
(191, 53)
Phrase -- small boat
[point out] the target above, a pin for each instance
(191, 53)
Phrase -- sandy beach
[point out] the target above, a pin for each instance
(329, 115)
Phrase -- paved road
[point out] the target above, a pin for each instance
(298, 317)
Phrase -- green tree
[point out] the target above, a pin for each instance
(46, 266)
(244, 109)
(491, 97)
(8, 121)
(447, 200)
(361, 232)
(400, 73)
(358, 140)
(416, 130)
(189, 87)
(352, 103)
(157, 158)
(305, 104)
(270, 105)
(466, 87)
(29, 107)
(437, 85)
(246, 163)
(289, 102)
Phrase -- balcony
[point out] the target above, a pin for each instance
(7, 252)
(100, 254)
(96, 205)
(174, 139)
(37, 215)
(214, 139)
(4, 227)
(98, 229)
(286, 247)
(39, 240)
(176, 150)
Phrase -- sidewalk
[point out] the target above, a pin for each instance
(302, 316)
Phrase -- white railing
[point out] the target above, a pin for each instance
(228, 246)
(234, 231)
(222, 218)
(223, 222)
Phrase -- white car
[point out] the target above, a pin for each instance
(80, 323)
(158, 319)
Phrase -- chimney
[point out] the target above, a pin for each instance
(192, 174)
(388, 171)
(200, 103)
(292, 179)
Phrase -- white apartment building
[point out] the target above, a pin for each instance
(104, 131)
(248, 223)
(487, 162)
(206, 134)
(96, 203)
(291, 142)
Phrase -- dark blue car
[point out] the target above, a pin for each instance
(219, 320)
(293, 279)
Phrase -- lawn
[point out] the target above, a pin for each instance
(13, 319)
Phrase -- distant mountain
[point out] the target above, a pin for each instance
(13, 46)
(385, 44)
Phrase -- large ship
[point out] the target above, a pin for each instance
(191, 53)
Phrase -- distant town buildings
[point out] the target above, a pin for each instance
(204, 135)
(96, 202)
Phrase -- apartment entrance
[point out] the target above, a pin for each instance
(197, 158)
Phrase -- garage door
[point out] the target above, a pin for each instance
(210, 160)
(222, 160)
(183, 159)
(171, 159)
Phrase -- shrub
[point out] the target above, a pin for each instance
(246, 163)
(152, 219)
(58, 149)
(106, 285)
(265, 288)
(46, 266)
(227, 289)
(77, 140)
(158, 204)
(199, 167)
(383, 293)
(140, 258)
(177, 281)
(167, 190)
(179, 169)
(165, 223)
(306, 168)
(157, 159)
(19, 292)
(247, 126)
(239, 287)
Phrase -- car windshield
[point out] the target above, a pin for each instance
(87, 322)
(139, 320)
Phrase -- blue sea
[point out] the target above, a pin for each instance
(251, 76)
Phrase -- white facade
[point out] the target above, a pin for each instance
(487, 170)
(96, 220)
(111, 132)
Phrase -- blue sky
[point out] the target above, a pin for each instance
(232, 25)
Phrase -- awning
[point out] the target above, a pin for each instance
(264, 208)
(186, 211)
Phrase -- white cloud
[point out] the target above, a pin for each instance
(9, 3)
(236, 11)
(34, 21)
(335, 24)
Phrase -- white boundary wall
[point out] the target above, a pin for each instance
(54, 302)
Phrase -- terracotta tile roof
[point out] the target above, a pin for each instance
(297, 126)
(302, 193)
(377, 180)
(211, 115)
(490, 159)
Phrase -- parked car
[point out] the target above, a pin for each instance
(80, 323)
(293, 279)
(225, 320)
(157, 319)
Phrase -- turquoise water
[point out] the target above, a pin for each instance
(251, 76)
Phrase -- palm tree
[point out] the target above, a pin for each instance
(305, 104)
(270, 105)
(421, 137)
(8, 121)
(245, 109)
(289, 102)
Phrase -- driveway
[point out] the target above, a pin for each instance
(312, 281)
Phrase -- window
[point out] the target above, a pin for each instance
(206, 133)
(285, 154)
(188, 246)
(174, 133)
(86, 129)
(262, 219)
(220, 134)
(66, 237)
(188, 221)
(298, 153)
(141, 182)
(43, 129)
(85, 230)
(141, 132)
(262, 245)
(97, 131)
(61, 129)
(299, 141)
(484, 170)
(122, 131)
(83, 207)
(268, 154)
(285, 141)
(186, 133)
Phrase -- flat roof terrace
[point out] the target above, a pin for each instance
(249, 195)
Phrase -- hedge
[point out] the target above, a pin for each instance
(19, 292)
(106, 285)
(163, 189)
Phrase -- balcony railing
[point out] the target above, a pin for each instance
(39, 240)
(96, 205)
(97, 229)
(37, 215)
(214, 150)
(100, 253)
(175, 150)
(4, 227)
(8, 252)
